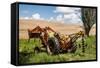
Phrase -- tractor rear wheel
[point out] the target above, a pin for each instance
(54, 45)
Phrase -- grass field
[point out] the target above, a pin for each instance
(27, 55)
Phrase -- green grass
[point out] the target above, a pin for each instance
(27, 55)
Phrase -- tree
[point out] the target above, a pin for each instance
(88, 18)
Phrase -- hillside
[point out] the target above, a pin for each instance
(58, 27)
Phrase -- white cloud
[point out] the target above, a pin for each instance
(36, 16)
(60, 18)
(72, 18)
(62, 10)
(26, 18)
(51, 19)
(66, 10)
(69, 14)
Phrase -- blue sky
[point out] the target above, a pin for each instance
(50, 13)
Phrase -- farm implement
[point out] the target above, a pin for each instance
(53, 42)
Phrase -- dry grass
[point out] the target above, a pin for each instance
(58, 27)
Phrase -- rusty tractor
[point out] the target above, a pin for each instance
(53, 42)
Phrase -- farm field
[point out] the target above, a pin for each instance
(26, 50)
(27, 55)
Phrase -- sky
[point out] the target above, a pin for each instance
(50, 13)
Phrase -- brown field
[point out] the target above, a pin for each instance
(58, 27)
